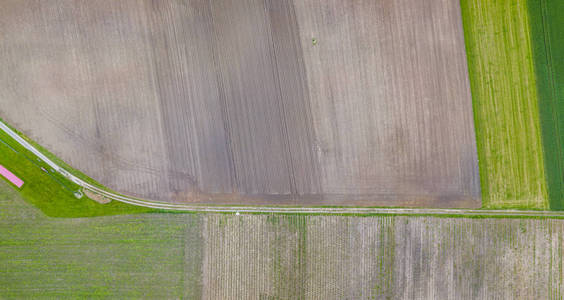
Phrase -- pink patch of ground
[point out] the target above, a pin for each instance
(11, 177)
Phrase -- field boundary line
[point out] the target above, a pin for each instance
(271, 209)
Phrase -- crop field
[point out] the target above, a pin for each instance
(171, 256)
(506, 107)
(232, 101)
(381, 257)
(135, 256)
(547, 21)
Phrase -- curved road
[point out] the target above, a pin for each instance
(270, 209)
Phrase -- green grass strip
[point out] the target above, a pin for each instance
(547, 26)
(506, 112)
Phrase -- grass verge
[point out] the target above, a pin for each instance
(52, 193)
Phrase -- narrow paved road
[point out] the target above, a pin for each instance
(270, 209)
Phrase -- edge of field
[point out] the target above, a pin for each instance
(547, 18)
(51, 192)
(83, 210)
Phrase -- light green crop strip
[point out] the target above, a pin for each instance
(504, 92)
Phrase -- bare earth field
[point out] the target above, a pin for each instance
(211, 256)
(320, 257)
(231, 102)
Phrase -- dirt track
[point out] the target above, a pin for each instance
(230, 102)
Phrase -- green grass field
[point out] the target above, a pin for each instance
(547, 25)
(506, 112)
(143, 256)
(50, 191)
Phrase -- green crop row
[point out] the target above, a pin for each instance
(547, 26)
(505, 103)
(515, 55)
